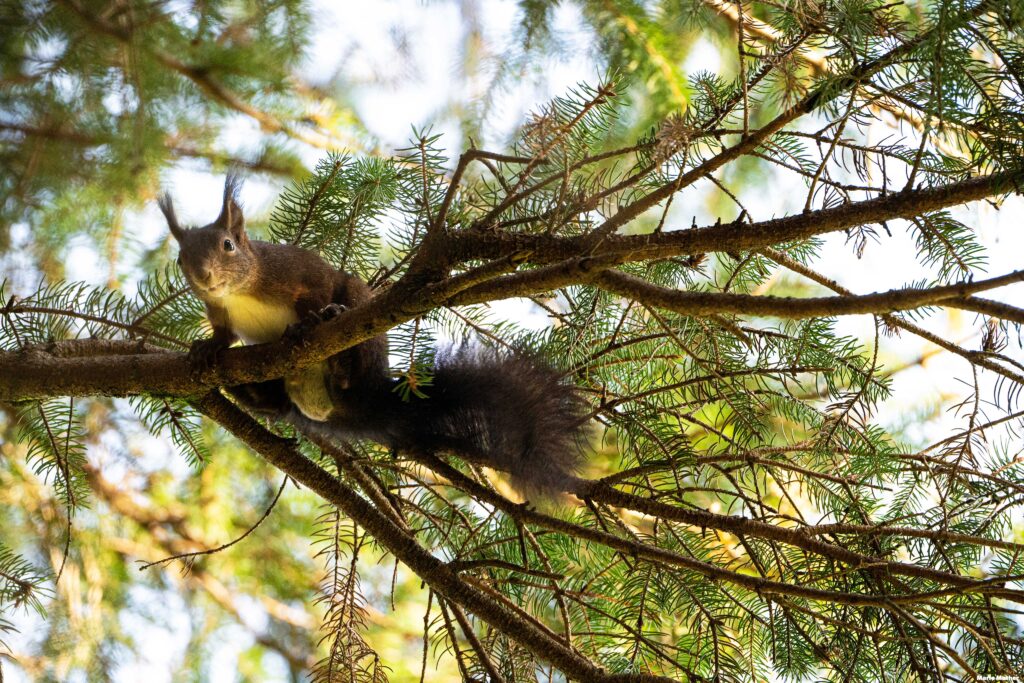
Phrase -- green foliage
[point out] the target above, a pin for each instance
(177, 418)
(21, 583)
(165, 312)
(416, 373)
(337, 212)
(349, 657)
(421, 188)
(949, 245)
(96, 100)
(56, 448)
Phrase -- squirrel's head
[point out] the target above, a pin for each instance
(217, 259)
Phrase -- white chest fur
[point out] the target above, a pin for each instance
(255, 321)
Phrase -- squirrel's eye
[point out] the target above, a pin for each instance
(228, 246)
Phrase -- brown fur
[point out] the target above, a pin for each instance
(289, 283)
(505, 410)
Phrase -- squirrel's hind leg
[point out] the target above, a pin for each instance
(267, 398)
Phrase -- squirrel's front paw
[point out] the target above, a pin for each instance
(332, 311)
(296, 333)
(203, 354)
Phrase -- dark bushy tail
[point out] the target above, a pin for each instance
(505, 410)
(509, 411)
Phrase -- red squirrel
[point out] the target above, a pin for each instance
(506, 410)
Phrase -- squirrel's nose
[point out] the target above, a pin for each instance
(206, 275)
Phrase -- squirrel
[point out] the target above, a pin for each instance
(507, 410)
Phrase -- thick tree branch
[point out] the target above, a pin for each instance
(760, 585)
(978, 358)
(709, 303)
(821, 96)
(737, 236)
(996, 309)
(796, 537)
(33, 374)
(442, 578)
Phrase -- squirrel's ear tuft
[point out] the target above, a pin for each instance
(167, 206)
(231, 217)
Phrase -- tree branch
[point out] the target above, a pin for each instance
(207, 83)
(35, 373)
(437, 574)
(710, 303)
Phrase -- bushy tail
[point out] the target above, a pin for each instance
(504, 410)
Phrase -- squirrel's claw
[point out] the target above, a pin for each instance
(203, 354)
(297, 332)
(331, 311)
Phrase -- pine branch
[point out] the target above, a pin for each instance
(33, 374)
(700, 304)
(207, 83)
